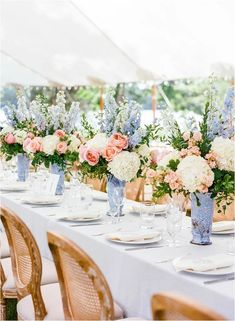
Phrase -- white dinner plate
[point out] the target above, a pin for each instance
(139, 242)
(81, 219)
(47, 200)
(16, 187)
(131, 210)
(232, 231)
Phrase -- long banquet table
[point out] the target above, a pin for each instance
(133, 276)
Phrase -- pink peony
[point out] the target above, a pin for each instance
(173, 180)
(186, 136)
(59, 133)
(30, 135)
(150, 173)
(110, 152)
(10, 139)
(89, 154)
(197, 136)
(62, 147)
(118, 140)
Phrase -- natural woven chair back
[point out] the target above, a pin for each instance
(26, 260)
(168, 306)
(85, 292)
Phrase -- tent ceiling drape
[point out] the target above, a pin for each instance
(79, 42)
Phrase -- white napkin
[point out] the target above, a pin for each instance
(132, 236)
(13, 185)
(158, 208)
(223, 226)
(203, 264)
(80, 214)
(101, 196)
(43, 199)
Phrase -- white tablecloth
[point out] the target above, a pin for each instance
(133, 276)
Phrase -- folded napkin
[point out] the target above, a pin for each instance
(43, 199)
(13, 185)
(158, 208)
(80, 214)
(133, 236)
(203, 264)
(223, 226)
(100, 196)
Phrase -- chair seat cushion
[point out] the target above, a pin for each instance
(52, 300)
(49, 274)
(5, 251)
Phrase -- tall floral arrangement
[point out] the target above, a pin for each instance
(121, 146)
(20, 126)
(202, 160)
(58, 142)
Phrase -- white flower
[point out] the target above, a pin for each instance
(98, 142)
(20, 135)
(49, 144)
(125, 165)
(74, 143)
(144, 151)
(224, 150)
(6, 130)
(195, 173)
(164, 162)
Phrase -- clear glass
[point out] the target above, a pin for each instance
(173, 224)
(147, 215)
(86, 194)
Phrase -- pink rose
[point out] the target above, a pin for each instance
(59, 133)
(194, 151)
(91, 156)
(110, 152)
(186, 136)
(197, 136)
(173, 180)
(118, 140)
(34, 146)
(30, 135)
(62, 147)
(203, 189)
(26, 143)
(10, 139)
(150, 173)
(183, 152)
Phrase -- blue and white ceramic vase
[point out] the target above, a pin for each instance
(22, 167)
(201, 216)
(55, 169)
(115, 189)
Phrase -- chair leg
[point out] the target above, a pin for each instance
(3, 308)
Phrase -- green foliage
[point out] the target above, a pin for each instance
(98, 171)
(205, 144)
(173, 164)
(151, 134)
(88, 131)
(11, 150)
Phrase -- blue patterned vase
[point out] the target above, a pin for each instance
(201, 216)
(22, 167)
(115, 188)
(55, 169)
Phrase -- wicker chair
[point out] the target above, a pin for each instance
(135, 190)
(26, 266)
(4, 247)
(85, 292)
(168, 306)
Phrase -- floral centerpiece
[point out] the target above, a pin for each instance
(119, 149)
(58, 144)
(20, 127)
(202, 165)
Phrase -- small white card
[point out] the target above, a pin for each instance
(51, 185)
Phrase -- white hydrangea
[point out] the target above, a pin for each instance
(224, 150)
(49, 144)
(6, 130)
(98, 142)
(194, 172)
(74, 144)
(173, 155)
(20, 135)
(125, 165)
(144, 151)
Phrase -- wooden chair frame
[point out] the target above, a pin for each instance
(56, 243)
(173, 302)
(9, 220)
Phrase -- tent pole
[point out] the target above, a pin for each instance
(154, 102)
(101, 98)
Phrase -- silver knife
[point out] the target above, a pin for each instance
(85, 224)
(219, 280)
(143, 247)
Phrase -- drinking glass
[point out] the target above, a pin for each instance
(86, 194)
(147, 215)
(118, 204)
(173, 223)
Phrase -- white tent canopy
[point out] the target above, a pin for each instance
(80, 42)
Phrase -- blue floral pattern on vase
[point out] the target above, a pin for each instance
(22, 167)
(55, 169)
(201, 216)
(115, 183)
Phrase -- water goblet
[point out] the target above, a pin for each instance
(147, 214)
(173, 223)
